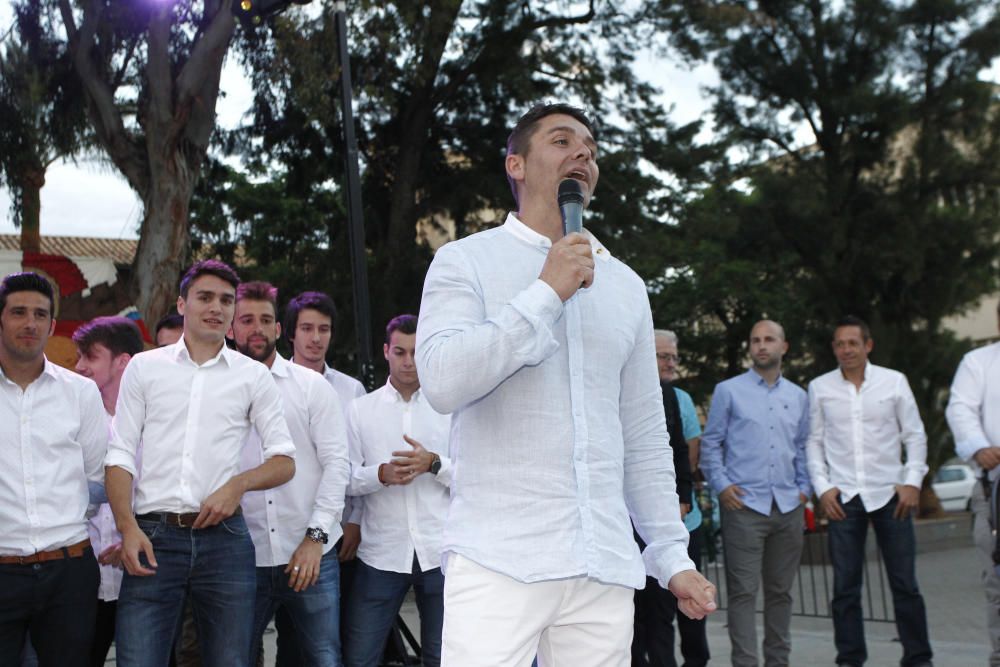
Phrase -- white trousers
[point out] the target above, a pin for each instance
(492, 620)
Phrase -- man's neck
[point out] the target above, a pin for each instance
(270, 360)
(406, 392)
(200, 352)
(856, 376)
(110, 395)
(318, 366)
(769, 375)
(542, 218)
(22, 373)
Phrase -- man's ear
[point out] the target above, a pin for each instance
(514, 164)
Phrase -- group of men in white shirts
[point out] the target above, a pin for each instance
(226, 478)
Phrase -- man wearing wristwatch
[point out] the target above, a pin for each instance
(295, 526)
(400, 463)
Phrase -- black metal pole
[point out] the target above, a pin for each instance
(355, 221)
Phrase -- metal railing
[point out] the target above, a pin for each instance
(812, 591)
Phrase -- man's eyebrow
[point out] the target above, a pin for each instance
(588, 139)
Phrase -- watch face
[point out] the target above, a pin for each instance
(436, 466)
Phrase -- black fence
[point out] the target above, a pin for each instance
(812, 591)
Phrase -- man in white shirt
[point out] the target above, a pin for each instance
(541, 345)
(861, 416)
(974, 419)
(309, 326)
(191, 405)
(104, 346)
(294, 526)
(54, 440)
(401, 465)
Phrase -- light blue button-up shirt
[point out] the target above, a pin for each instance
(558, 430)
(755, 438)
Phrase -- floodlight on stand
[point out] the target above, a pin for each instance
(251, 13)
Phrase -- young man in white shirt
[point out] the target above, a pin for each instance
(191, 405)
(401, 465)
(861, 416)
(294, 526)
(974, 417)
(54, 441)
(309, 326)
(104, 346)
(541, 345)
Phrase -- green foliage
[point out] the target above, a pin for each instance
(889, 210)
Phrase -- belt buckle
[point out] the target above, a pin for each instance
(180, 521)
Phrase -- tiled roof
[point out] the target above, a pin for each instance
(122, 251)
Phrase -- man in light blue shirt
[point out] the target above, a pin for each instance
(541, 345)
(753, 455)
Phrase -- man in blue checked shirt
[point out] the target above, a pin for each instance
(753, 455)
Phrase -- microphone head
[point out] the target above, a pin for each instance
(570, 192)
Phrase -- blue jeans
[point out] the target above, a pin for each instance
(215, 568)
(897, 544)
(375, 602)
(314, 612)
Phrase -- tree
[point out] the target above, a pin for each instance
(150, 75)
(438, 85)
(42, 121)
(889, 209)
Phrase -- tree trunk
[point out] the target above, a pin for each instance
(164, 238)
(31, 209)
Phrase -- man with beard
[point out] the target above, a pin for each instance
(295, 526)
(753, 455)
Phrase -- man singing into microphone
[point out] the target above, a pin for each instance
(541, 345)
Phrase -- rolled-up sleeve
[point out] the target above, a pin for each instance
(268, 416)
(126, 426)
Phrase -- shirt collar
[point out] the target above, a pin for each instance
(179, 351)
(393, 395)
(280, 367)
(525, 233)
(759, 379)
(867, 376)
(48, 368)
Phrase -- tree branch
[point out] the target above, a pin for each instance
(109, 127)
(160, 80)
(198, 81)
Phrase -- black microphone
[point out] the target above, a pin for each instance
(571, 205)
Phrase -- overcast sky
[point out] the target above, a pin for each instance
(91, 199)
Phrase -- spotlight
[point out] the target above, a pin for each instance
(251, 13)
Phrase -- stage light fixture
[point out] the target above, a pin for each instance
(251, 13)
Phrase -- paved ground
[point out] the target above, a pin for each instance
(950, 583)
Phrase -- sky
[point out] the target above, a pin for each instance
(89, 198)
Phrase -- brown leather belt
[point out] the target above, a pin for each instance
(72, 551)
(184, 520)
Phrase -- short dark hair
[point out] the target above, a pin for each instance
(404, 324)
(855, 321)
(169, 321)
(317, 301)
(119, 334)
(520, 137)
(258, 290)
(27, 281)
(210, 267)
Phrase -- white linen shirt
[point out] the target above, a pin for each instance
(192, 421)
(53, 442)
(856, 436)
(103, 533)
(401, 519)
(976, 386)
(314, 498)
(558, 429)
